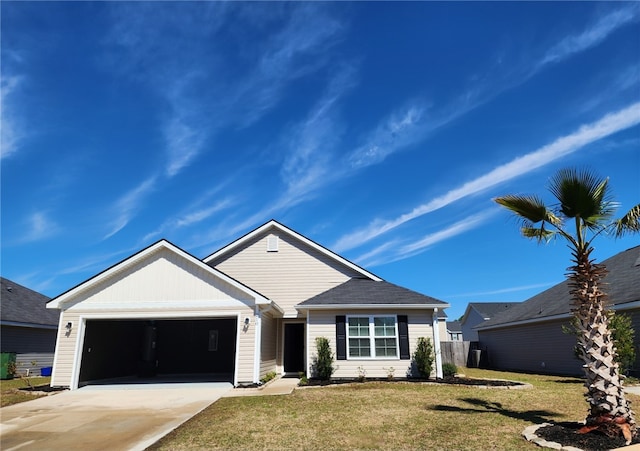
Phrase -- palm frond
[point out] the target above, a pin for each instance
(583, 194)
(629, 223)
(540, 234)
(529, 208)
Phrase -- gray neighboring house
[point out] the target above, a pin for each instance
(27, 327)
(478, 312)
(529, 336)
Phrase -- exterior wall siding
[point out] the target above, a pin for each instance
(33, 362)
(162, 286)
(472, 320)
(322, 323)
(162, 278)
(289, 276)
(539, 348)
(268, 344)
(68, 343)
(23, 340)
(527, 347)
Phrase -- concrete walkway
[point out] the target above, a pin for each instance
(280, 386)
(107, 417)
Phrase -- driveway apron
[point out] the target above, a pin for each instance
(112, 417)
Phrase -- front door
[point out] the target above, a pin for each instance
(294, 348)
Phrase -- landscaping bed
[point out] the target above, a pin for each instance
(566, 434)
(455, 380)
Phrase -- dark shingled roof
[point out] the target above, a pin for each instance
(370, 292)
(454, 326)
(491, 309)
(22, 305)
(622, 285)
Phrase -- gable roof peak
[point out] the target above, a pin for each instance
(229, 248)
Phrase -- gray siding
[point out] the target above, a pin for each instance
(538, 348)
(27, 339)
(33, 362)
(472, 320)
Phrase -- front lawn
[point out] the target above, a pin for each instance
(10, 392)
(379, 415)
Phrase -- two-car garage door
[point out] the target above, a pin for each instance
(124, 349)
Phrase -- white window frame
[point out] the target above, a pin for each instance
(372, 337)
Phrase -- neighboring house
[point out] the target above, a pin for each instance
(256, 305)
(27, 327)
(454, 331)
(530, 337)
(478, 312)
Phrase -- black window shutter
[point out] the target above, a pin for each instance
(403, 333)
(341, 337)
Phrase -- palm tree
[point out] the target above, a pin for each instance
(584, 200)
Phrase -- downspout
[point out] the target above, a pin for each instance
(257, 354)
(436, 343)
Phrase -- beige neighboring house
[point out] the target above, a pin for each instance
(256, 305)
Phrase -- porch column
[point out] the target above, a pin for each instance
(436, 343)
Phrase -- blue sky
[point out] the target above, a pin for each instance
(379, 130)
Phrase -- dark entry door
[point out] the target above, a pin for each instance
(294, 348)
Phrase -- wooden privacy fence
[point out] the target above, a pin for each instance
(456, 352)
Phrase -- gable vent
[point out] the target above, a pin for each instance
(272, 243)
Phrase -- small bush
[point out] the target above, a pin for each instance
(423, 357)
(449, 369)
(267, 377)
(322, 367)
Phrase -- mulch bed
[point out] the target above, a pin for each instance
(42, 388)
(448, 380)
(566, 434)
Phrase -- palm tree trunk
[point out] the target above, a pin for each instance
(609, 409)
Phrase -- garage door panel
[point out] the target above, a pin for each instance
(123, 348)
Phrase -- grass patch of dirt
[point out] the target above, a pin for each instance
(380, 415)
(14, 391)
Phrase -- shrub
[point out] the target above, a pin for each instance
(423, 357)
(267, 377)
(449, 369)
(322, 367)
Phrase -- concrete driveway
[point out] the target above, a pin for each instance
(110, 417)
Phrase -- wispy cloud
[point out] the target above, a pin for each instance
(502, 291)
(11, 133)
(309, 163)
(592, 36)
(125, 207)
(400, 129)
(608, 125)
(395, 250)
(39, 226)
(311, 143)
(191, 217)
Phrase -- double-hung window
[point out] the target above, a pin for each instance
(372, 337)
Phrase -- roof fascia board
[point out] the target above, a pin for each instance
(109, 272)
(370, 306)
(275, 224)
(620, 307)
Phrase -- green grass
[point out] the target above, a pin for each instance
(10, 392)
(380, 415)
